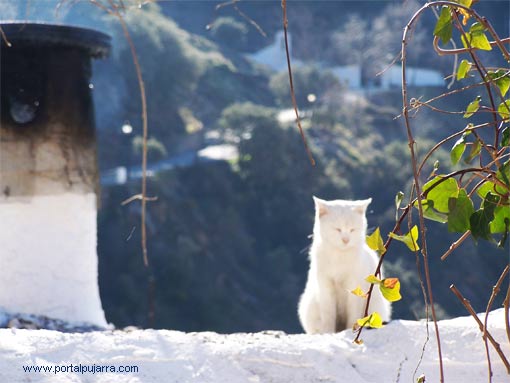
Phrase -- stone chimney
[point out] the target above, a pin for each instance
(48, 172)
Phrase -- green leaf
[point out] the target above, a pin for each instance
(505, 137)
(441, 192)
(476, 38)
(457, 151)
(480, 219)
(486, 187)
(501, 216)
(443, 28)
(375, 242)
(398, 200)
(504, 110)
(430, 213)
(460, 209)
(410, 239)
(463, 70)
(472, 107)
(458, 148)
(373, 279)
(390, 289)
(501, 79)
(503, 174)
(502, 241)
(476, 148)
(374, 320)
(466, 3)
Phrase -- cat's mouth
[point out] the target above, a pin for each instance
(345, 245)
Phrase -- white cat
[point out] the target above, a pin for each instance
(340, 261)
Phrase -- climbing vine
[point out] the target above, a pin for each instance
(474, 199)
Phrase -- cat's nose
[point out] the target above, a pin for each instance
(345, 240)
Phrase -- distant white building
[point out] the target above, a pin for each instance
(349, 75)
(274, 56)
(414, 76)
(352, 76)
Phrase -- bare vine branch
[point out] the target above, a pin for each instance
(233, 3)
(416, 184)
(486, 172)
(483, 329)
(506, 305)
(446, 52)
(495, 291)
(292, 93)
(145, 128)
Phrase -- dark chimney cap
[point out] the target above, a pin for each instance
(97, 44)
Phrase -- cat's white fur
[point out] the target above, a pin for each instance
(340, 261)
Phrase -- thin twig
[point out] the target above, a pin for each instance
(411, 142)
(455, 57)
(292, 93)
(481, 70)
(137, 197)
(506, 305)
(250, 20)
(443, 95)
(141, 85)
(100, 5)
(486, 333)
(444, 140)
(4, 38)
(387, 67)
(377, 271)
(445, 52)
(233, 3)
(495, 291)
(416, 104)
(499, 42)
(455, 244)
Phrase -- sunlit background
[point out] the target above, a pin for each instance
(229, 233)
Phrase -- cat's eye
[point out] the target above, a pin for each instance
(339, 230)
(352, 230)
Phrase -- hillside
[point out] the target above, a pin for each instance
(228, 240)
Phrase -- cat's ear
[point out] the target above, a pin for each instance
(320, 206)
(362, 206)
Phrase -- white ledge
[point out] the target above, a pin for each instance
(390, 354)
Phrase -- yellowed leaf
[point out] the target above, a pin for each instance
(373, 320)
(375, 242)
(390, 289)
(358, 292)
(373, 279)
(390, 282)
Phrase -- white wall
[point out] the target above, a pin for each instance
(48, 261)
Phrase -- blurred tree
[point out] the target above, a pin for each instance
(374, 42)
(228, 242)
(158, 40)
(307, 80)
(229, 32)
(239, 120)
(155, 149)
